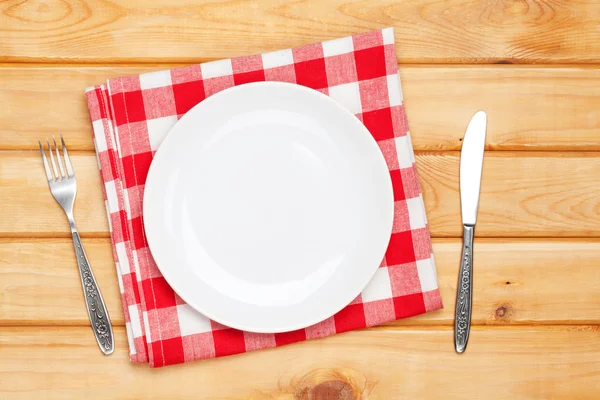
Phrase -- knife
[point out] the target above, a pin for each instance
(471, 163)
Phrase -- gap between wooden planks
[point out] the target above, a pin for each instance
(529, 107)
(516, 363)
(433, 31)
(523, 194)
(518, 281)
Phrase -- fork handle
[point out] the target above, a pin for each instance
(93, 300)
(464, 292)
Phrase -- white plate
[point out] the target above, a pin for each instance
(268, 207)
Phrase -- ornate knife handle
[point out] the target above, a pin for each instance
(93, 299)
(464, 292)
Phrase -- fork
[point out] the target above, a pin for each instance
(64, 188)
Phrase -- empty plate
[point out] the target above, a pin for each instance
(268, 207)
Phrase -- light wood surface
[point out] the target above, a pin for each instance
(400, 363)
(549, 108)
(523, 194)
(434, 31)
(511, 276)
(536, 332)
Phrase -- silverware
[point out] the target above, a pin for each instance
(471, 163)
(64, 188)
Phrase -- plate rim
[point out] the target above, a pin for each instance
(388, 188)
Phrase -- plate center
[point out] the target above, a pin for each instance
(275, 211)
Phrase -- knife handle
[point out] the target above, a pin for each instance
(464, 292)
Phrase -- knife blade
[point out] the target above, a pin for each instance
(471, 164)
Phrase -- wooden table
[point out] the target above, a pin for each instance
(531, 64)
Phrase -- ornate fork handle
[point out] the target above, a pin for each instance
(93, 299)
(63, 186)
(464, 292)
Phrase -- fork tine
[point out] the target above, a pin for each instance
(52, 160)
(59, 159)
(67, 159)
(46, 167)
(68, 163)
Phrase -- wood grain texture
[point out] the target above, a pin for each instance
(529, 108)
(30, 209)
(536, 331)
(528, 363)
(39, 282)
(433, 31)
(523, 194)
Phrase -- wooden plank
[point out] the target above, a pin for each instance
(532, 363)
(455, 31)
(511, 284)
(29, 206)
(39, 282)
(529, 108)
(523, 194)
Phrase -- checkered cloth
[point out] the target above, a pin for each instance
(132, 115)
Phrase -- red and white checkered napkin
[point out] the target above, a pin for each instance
(132, 115)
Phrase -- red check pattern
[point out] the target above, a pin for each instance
(132, 115)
